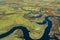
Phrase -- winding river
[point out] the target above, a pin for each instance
(26, 32)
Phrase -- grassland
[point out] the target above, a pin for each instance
(11, 14)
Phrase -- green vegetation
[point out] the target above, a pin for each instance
(12, 13)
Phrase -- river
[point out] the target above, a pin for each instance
(26, 32)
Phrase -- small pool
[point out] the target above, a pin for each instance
(58, 10)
